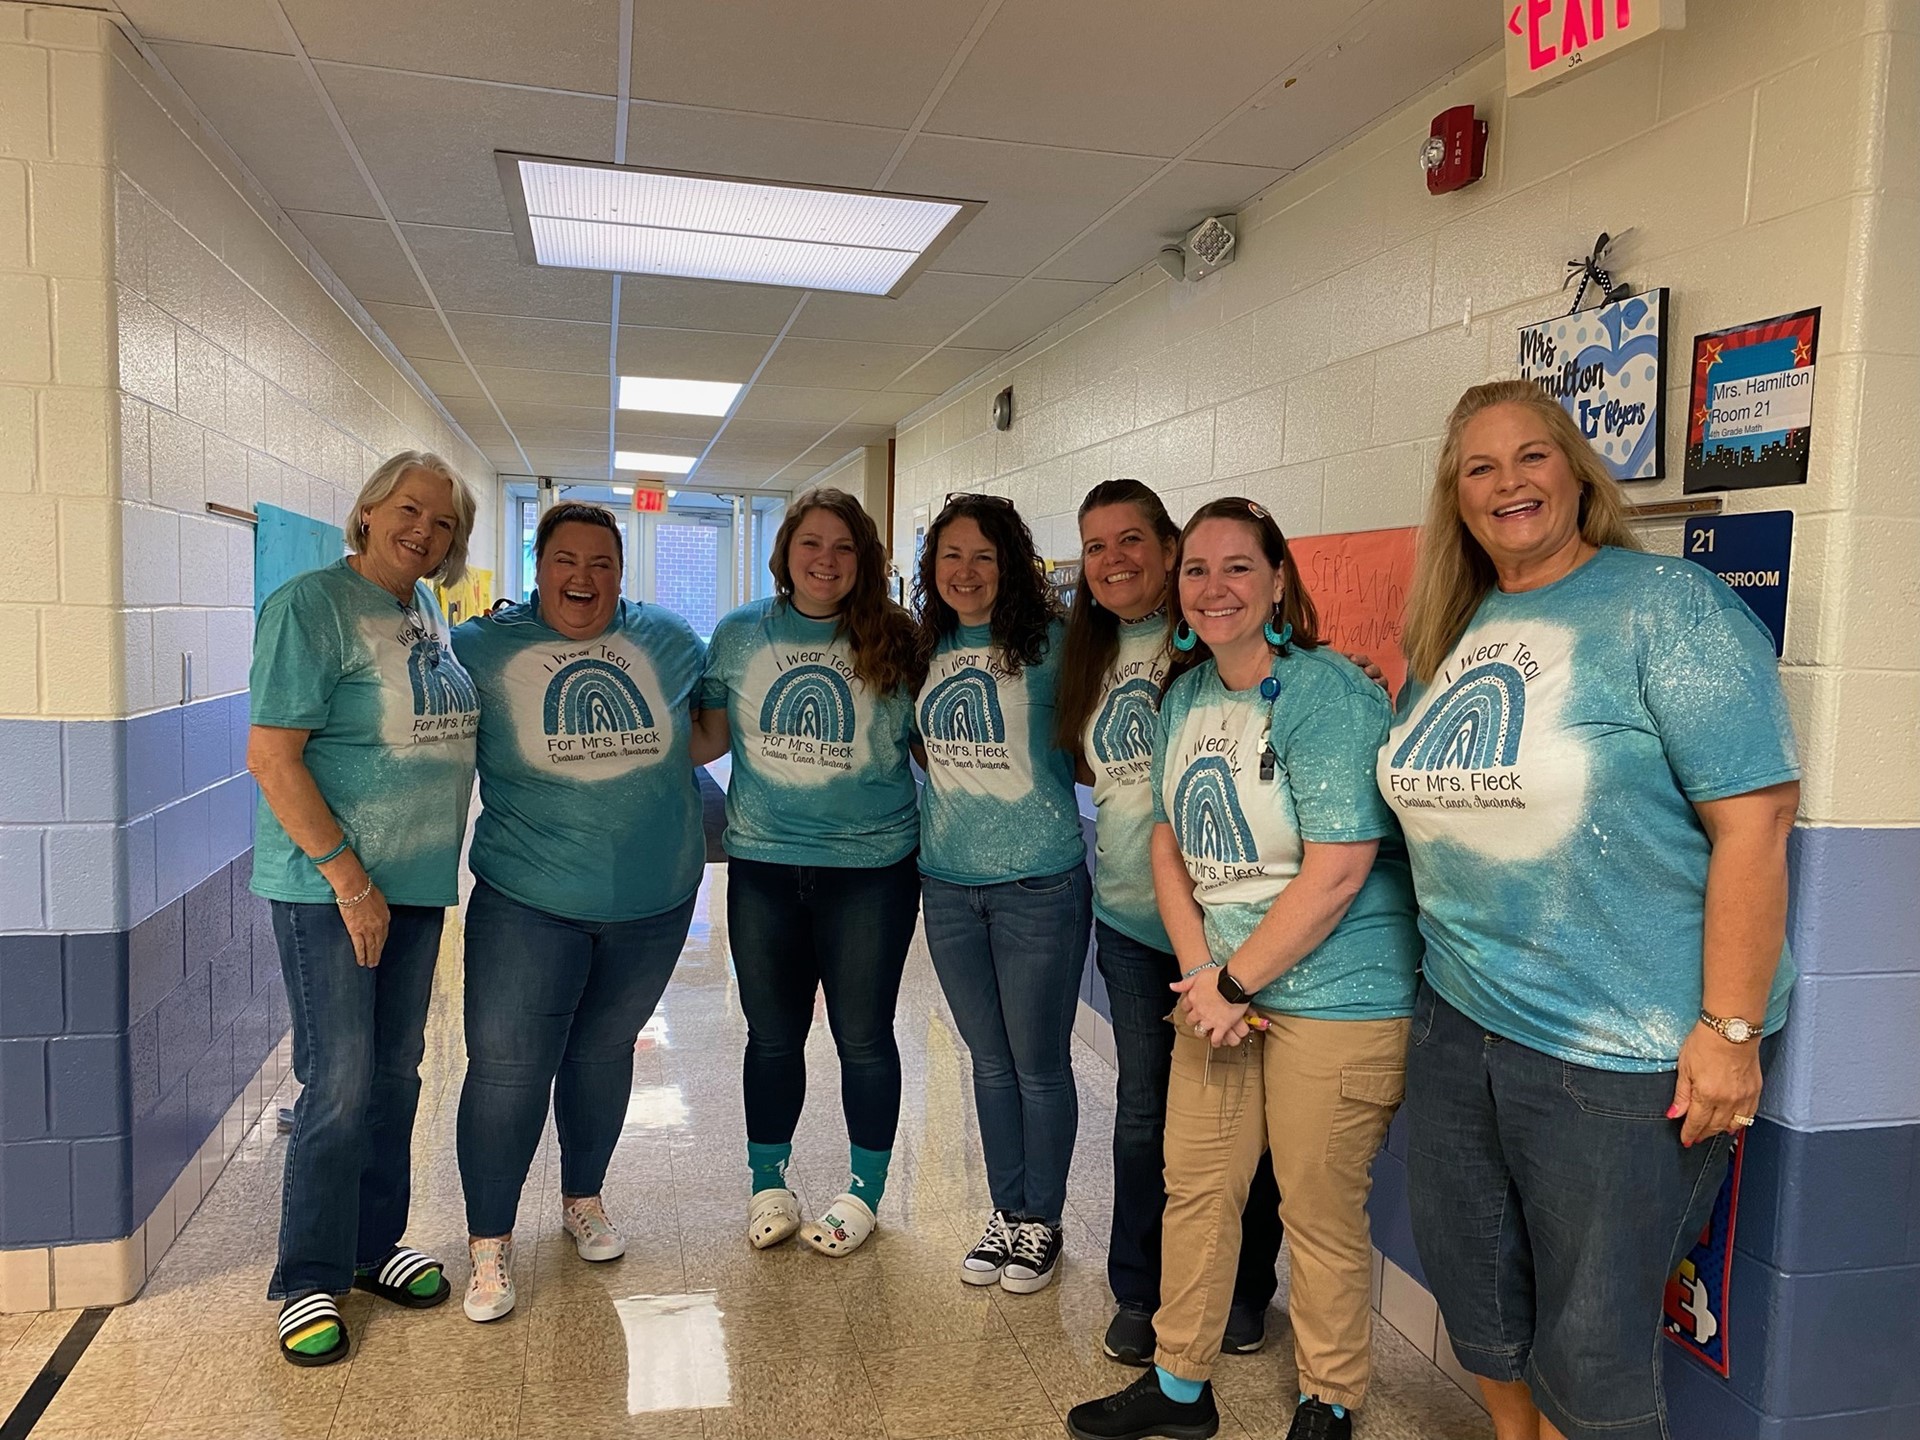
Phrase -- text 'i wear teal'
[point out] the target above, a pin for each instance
(1546, 781)
(1243, 835)
(1118, 747)
(820, 763)
(999, 802)
(589, 809)
(390, 716)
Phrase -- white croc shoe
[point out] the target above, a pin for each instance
(844, 1228)
(772, 1216)
(594, 1235)
(490, 1291)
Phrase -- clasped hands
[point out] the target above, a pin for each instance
(1207, 1011)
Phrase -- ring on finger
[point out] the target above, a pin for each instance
(1741, 1122)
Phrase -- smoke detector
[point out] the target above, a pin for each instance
(1204, 249)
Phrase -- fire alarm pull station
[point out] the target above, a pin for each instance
(1455, 154)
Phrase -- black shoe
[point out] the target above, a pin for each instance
(1316, 1420)
(1142, 1410)
(1246, 1330)
(1130, 1336)
(986, 1261)
(1035, 1259)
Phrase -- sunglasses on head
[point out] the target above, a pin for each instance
(953, 495)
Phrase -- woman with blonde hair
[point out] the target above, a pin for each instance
(362, 742)
(1594, 770)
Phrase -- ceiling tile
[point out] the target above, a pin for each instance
(944, 369)
(690, 354)
(415, 330)
(1396, 54)
(481, 271)
(758, 147)
(1031, 308)
(449, 380)
(242, 24)
(934, 306)
(785, 402)
(1037, 198)
(870, 61)
(851, 365)
(1173, 205)
(364, 254)
(551, 387)
(704, 304)
(430, 141)
(568, 44)
(264, 108)
(1138, 75)
(533, 344)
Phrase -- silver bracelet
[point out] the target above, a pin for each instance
(1210, 965)
(359, 899)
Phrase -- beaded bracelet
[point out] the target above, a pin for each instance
(359, 899)
(334, 854)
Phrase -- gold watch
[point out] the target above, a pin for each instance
(1736, 1030)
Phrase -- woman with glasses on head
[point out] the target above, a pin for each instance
(809, 691)
(1007, 895)
(1115, 661)
(1282, 885)
(586, 857)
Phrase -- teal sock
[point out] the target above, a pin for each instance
(1339, 1410)
(1184, 1392)
(769, 1164)
(869, 1175)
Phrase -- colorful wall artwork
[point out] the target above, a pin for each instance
(1608, 367)
(286, 544)
(1750, 404)
(1359, 584)
(471, 597)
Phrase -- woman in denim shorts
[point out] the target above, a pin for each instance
(1596, 777)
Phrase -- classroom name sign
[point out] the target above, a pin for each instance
(1607, 367)
(1750, 404)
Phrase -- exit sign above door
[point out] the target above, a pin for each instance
(1550, 40)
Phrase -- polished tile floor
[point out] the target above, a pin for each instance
(693, 1335)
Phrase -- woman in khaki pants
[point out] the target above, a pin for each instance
(1283, 885)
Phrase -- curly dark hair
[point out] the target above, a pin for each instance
(881, 633)
(1025, 605)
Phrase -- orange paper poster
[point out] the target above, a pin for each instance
(1359, 584)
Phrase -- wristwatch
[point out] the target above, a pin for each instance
(1230, 990)
(1736, 1030)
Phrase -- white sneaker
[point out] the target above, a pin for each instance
(772, 1216)
(490, 1291)
(594, 1235)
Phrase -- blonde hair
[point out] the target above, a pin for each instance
(384, 481)
(1451, 573)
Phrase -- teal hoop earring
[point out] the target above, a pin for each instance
(1279, 640)
(1183, 638)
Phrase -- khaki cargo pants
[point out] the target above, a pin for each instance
(1320, 1094)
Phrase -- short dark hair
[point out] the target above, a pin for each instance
(575, 512)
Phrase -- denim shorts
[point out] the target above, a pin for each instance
(1550, 1203)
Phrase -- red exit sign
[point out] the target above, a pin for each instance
(649, 497)
(1549, 40)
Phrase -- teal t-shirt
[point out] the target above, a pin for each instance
(1546, 781)
(999, 802)
(589, 808)
(1118, 748)
(390, 715)
(1243, 836)
(821, 768)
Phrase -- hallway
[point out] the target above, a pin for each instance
(692, 1334)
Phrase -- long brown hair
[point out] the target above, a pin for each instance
(878, 631)
(1093, 631)
(1295, 607)
(1024, 605)
(1451, 573)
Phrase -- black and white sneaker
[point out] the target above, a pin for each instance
(1035, 1259)
(987, 1261)
(1142, 1410)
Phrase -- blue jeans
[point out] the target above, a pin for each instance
(1550, 1202)
(799, 929)
(1009, 957)
(1137, 978)
(358, 1037)
(553, 1005)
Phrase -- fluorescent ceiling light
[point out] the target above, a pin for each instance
(646, 222)
(646, 460)
(621, 489)
(677, 397)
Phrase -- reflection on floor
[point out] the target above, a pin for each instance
(693, 1335)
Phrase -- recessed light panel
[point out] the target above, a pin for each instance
(642, 222)
(677, 397)
(646, 460)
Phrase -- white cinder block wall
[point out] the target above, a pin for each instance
(1766, 158)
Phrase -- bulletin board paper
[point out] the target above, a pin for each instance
(1359, 584)
(286, 544)
(472, 596)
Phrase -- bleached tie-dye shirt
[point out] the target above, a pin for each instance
(1243, 833)
(589, 808)
(999, 802)
(821, 769)
(1118, 746)
(1546, 781)
(390, 715)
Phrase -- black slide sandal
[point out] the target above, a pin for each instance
(302, 1313)
(391, 1277)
